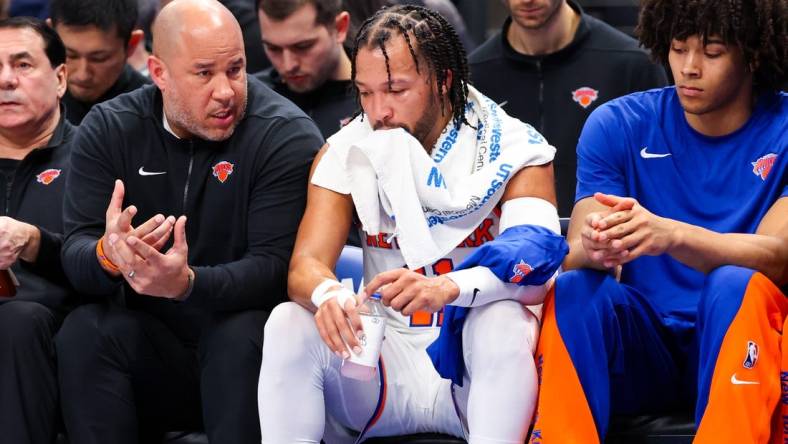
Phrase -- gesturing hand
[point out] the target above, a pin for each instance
(155, 231)
(153, 273)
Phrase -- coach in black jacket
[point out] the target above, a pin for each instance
(233, 157)
(34, 151)
(550, 66)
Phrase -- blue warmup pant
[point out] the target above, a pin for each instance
(605, 349)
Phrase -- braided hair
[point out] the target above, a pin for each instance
(758, 27)
(433, 44)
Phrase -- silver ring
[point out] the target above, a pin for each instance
(131, 274)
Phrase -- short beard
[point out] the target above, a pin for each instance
(186, 120)
(429, 118)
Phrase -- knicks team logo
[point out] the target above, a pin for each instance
(520, 271)
(763, 166)
(222, 170)
(48, 176)
(752, 355)
(585, 96)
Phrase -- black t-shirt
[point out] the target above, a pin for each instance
(129, 80)
(331, 106)
(556, 92)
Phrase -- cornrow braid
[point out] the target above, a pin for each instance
(430, 39)
(758, 27)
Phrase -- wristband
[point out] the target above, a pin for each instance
(103, 259)
(343, 295)
(321, 293)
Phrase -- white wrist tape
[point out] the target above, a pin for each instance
(479, 286)
(325, 291)
(529, 211)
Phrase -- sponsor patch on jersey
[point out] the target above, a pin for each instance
(520, 271)
(585, 96)
(222, 170)
(763, 166)
(752, 355)
(48, 176)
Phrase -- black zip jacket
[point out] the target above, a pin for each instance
(34, 195)
(542, 90)
(242, 219)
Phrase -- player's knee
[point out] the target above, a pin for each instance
(723, 285)
(727, 276)
(586, 293)
(499, 333)
(290, 327)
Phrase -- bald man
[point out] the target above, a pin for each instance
(186, 195)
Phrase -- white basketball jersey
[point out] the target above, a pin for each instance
(381, 254)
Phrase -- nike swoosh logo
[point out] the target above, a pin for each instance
(646, 155)
(736, 381)
(475, 292)
(142, 172)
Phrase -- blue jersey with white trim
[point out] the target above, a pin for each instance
(641, 146)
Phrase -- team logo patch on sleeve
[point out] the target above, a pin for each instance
(752, 355)
(48, 176)
(763, 166)
(585, 96)
(222, 170)
(520, 271)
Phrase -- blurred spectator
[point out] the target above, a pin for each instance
(138, 58)
(246, 14)
(552, 65)
(99, 35)
(29, 8)
(4, 9)
(304, 41)
(34, 153)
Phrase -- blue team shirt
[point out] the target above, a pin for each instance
(641, 146)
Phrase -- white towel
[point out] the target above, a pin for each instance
(432, 202)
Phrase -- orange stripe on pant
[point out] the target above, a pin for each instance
(780, 423)
(741, 400)
(562, 415)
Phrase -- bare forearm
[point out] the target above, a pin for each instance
(304, 275)
(705, 250)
